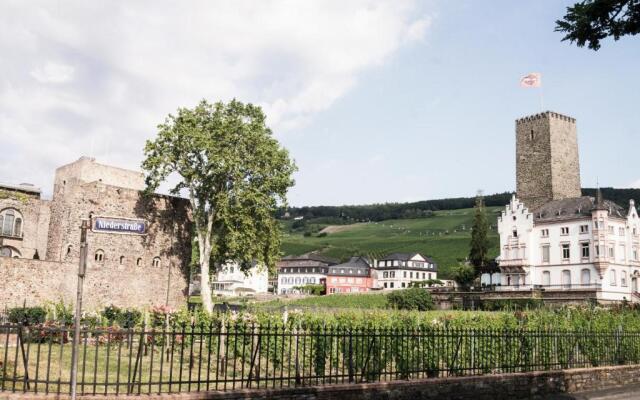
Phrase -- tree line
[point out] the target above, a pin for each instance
(420, 209)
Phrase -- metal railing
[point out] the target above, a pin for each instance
(229, 357)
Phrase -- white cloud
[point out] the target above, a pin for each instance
(97, 77)
(53, 73)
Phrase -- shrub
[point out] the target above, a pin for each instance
(464, 275)
(121, 317)
(410, 299)
(307, 234)
(27, 315)
(322, 234)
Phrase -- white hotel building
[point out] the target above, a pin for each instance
(230, 280)
(400, 270)
(580, 243)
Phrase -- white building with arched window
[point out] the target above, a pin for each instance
(577, 244)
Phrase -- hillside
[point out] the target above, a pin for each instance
(444, 236)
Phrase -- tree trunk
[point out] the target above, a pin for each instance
(205, 287)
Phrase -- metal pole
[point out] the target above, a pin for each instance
(82, 266)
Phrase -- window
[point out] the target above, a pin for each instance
(585, 276)
(385, 274)
(584, 228)
(622, 253)
(596, 225)
(404, 275)
(411, 275)
(564, 230)
(611, 231)
(99, 256)
(403, 284)
(139, 262)
(283, 280)
(156, 262)
(621, 231)
(635, 254)
(585, 249)
(10, 223)
(121, 260)
(391, 285)
(546, 278)
(612, 252)
(566, 253)
(68, 250)
(623, 278)
(544, 233)
(385, 285)
(566, 278)
(545, 253)
(392, 274)
(612, 277)
(515, 233)
(531, 135)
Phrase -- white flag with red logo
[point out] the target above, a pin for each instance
(533, 79)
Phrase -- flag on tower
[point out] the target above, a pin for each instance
(533, 79)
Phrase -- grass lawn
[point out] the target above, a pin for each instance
(444, 237)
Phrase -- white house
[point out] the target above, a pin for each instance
(230, 280)
(298, 271)
(571, 244)
(399, 270)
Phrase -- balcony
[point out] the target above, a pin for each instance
(514, 262)
(12, 236)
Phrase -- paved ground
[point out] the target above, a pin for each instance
(631, 392)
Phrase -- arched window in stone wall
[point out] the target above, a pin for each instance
(7, 251)
(68, 251)
(11, 222)
(99, 256)
(139, 262)
(121, 260)
(156, 262)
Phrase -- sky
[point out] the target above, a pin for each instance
(376, 100)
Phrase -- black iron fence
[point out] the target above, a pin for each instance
(228, 357)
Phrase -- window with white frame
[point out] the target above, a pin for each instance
(622, 254)
(584, 248)
(585, 276)
(544, 233)
(621, 231)
(546, 278)
(612, 252)
(611, 230)
(566, 278)
(612, 277)
(623, 278)
(564, 230)
(566, 251)
(584, 229)
(545, 253)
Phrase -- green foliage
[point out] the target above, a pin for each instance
(315, 290)
(124, 318)
(590, 21)
(464, 275)
(322, 234)
(479, 245)
(410, 299)
(511, 304)
(27, 315)
(21, 197)
(333, 301)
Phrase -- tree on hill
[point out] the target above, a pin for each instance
(479, 245)
(590, 21)
(235, 174)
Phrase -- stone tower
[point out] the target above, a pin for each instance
(547, 164)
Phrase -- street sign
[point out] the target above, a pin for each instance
(119, 225)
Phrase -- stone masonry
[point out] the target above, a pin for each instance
(547, 162)
(123, 269)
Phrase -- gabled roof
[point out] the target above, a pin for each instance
(575, 207)
(404, 257)
(312, 257)
(352, 267)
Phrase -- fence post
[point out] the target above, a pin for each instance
(24, 358)
(350, 356)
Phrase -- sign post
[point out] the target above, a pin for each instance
(76, 335)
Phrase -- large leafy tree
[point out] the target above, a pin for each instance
(479, 246)
(235, 174)
(590, 21)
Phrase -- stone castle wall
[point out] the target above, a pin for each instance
(36, 282)
(35, 215)
(547, 164)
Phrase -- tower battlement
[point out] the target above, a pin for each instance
(545, 114)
